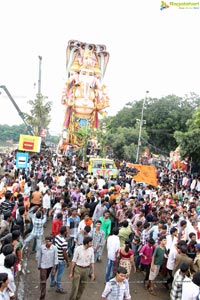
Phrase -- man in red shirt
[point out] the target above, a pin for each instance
(56, 224)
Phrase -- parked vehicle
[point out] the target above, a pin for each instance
(103, 167)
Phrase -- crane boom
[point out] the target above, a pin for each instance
(21, 114)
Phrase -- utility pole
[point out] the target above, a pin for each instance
(39, 77)
(39, 94)
(140, 128)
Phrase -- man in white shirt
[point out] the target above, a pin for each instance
(4, 290)
(46, 201)
(61, 180)
(191, 288)
(47, 263)
(57, 208)
(44, 188)
(10, 261)
(177, 285)
(5, 250)
(113, 245)
(85, 222)
(82, 260)
(101, 182)
(41, 185)
(171, 238)
(170, 264)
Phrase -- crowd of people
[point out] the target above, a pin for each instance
(139, 228)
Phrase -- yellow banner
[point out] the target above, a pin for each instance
(29, 143)
(146, 174)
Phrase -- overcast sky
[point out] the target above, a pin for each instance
(149, 49)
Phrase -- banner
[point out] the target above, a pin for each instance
(21, 160)
(43, 133)
(29, 143)
(146, 174)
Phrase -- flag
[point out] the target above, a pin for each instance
(146, 174)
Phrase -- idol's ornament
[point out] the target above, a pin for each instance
(84, 94)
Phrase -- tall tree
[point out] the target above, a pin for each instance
(124, 142)
(84, 135)
(189, 140)
(12, 132)
(162, 118)
(166, 115)
(40, 114)
(102, 134)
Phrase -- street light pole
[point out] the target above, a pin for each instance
(140, 128)
(40, 126)
(39, 77)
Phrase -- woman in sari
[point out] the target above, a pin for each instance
(126, 257)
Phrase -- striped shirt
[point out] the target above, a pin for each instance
(176, 291)
(61, 244)
(144, 237)
(116, 291)
(6, 206)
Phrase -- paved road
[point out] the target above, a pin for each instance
(29, 283)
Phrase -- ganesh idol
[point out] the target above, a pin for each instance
(84, 95)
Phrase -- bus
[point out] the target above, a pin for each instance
(102, 167)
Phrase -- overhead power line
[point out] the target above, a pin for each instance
(155, 148)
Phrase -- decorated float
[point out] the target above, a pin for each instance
(176, 163)
(84, 95)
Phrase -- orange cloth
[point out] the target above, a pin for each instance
(2, 192)
(146, 174)
(88, 222)
(113, 197)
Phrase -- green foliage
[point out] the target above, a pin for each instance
(12, 132)
(40, 114)
(169, 121)
(189, 140)
(127, 115)
(195, 121)
(124, 142)
(52, 139)
(163, 117)
(189, 144)
(102, 134)
(84, 135)
(130, 152)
